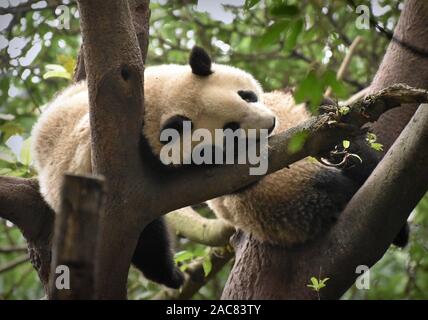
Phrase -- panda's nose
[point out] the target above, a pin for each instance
(273, 125)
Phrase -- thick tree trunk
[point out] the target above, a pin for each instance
(115, 83)
(401, 65)
(262, 271)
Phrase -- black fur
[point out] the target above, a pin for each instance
(402, 238)
(200, 62)
(153, 256)
(248, 95)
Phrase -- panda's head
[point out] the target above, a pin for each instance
(210, 96)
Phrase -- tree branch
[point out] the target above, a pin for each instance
(13, 249)
(191, 225)
(21, 204)
(400, 65)
(345, 63)
(196, 278)
(14, 263)
(323, 133)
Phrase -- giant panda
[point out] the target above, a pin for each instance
(210, 95)
(287, 208)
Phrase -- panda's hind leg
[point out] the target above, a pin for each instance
(153, 256)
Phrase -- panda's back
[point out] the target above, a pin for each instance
(61, 141)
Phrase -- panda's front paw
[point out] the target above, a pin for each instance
(175, 279)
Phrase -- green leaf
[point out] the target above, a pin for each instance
(57, 74)
(346, 144)
(297, 141)
(250, 3)
(183, 267)
(371, 140)
(371, 137)
(376, 146)
(314, 281)
(344, 110)
(25, 155)
(10, 129)
(312, 89)
(330, 79)
(273, 33)
(183, 256)
(207, 265)
(284, 10)
(56, 71)
(5, 171)
(20, 172)
(7, 117)
(200, 251)
(68, 62)
(7, 155)
(293, 34)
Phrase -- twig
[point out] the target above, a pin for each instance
(14, 263)
(354, 98)
(196, 278)
(21, 280)
(13, 249)
(345, 63)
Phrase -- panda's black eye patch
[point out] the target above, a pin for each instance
(248, 95)
(175, 122)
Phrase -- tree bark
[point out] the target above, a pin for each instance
(115, 84)
(365, 230)
(75, 238)
(22, 204)
(401, 65)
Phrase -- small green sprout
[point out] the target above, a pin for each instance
(317, 285)
(371, 140)
(344, 110)
(346, 144)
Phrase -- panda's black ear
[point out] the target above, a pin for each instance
(200, 62)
